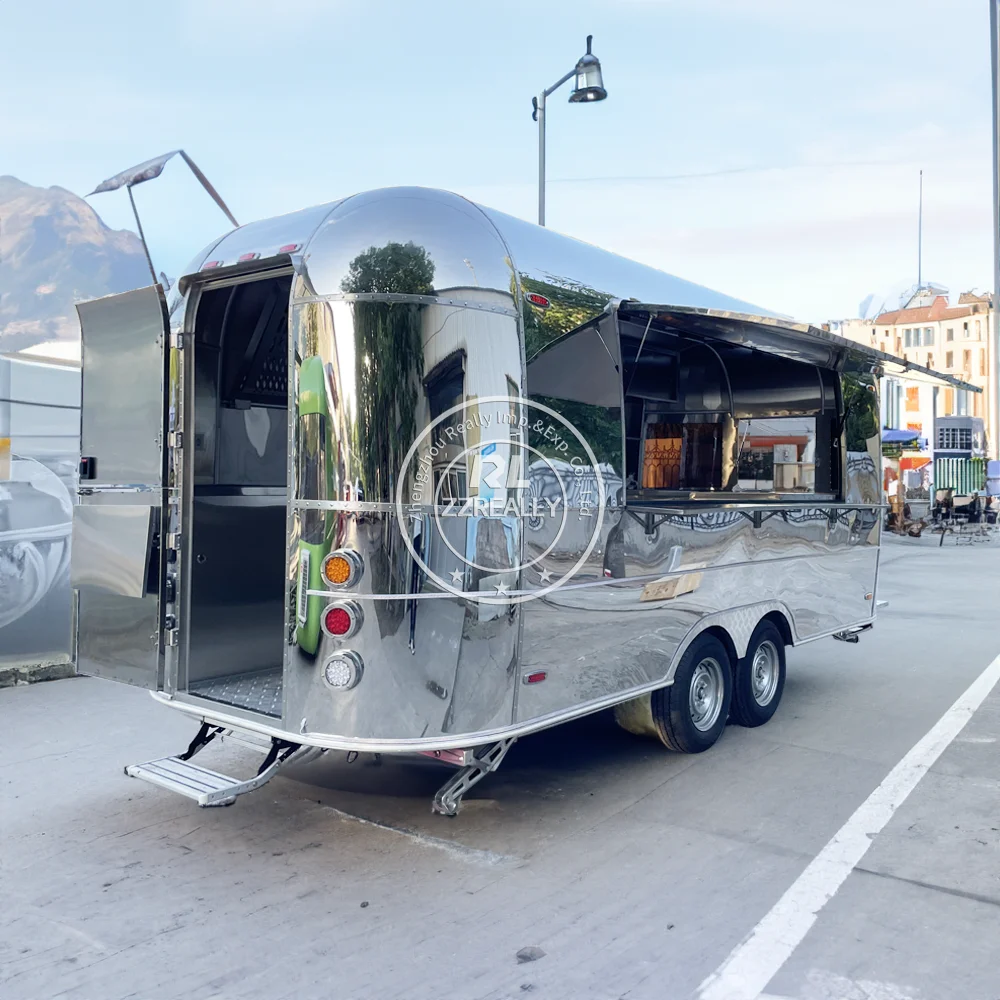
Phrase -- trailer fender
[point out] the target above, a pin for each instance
(733, 627)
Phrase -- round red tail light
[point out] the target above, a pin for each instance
(338, 621)
(342, 619)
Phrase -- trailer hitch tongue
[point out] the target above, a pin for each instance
(851, 634)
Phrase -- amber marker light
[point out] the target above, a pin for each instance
(342, 568)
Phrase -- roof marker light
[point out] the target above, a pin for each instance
(211, 263)
(538, 300)
(290, 248)
(535, 678)
(248, 256)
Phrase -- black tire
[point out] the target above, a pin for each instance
(759, 684)
(704, 665)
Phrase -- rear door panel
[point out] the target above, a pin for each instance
(123, 386)
(116, 528)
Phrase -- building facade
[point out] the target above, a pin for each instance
(955, 339)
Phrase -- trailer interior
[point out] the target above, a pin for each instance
(236, 487)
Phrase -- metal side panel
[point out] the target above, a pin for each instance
(115, 568)
(118, 637)
(111, 547)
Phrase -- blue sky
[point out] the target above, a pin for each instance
(769, 149)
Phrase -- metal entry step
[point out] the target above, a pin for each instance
(210, 788)
(207, 788)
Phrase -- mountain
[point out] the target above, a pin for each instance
(55, 251)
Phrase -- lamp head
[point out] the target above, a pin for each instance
(589, 84)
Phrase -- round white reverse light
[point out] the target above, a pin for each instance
(343, 670)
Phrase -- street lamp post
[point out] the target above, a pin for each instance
(994, 343)
(589, 86)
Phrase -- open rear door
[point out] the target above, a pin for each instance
(116, 524)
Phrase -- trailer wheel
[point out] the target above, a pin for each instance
(760, 677)
(690, 714)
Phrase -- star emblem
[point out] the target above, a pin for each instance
(546, 575)
(502, 588)
(457, 576)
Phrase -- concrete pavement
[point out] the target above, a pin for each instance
(635, 871)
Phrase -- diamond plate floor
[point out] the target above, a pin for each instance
(259, 691)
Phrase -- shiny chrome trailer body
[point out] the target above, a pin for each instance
(213, 490)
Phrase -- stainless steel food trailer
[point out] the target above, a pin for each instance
(403, 474)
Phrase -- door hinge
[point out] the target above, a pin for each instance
(176, 341)
(173, 540)
(175, 439)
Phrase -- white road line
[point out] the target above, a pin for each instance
(753, 963)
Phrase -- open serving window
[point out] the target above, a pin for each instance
(707, 416)
(717, 405)
(699, 414)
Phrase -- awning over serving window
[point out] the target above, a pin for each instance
(785, 338)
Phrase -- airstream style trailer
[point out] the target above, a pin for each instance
(403, 474)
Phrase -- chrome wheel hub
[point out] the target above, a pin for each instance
(706, 694)
(764, 673)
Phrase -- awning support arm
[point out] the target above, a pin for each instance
(142, 235)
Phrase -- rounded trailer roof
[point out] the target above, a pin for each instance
(469, 246)
(449, 247)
